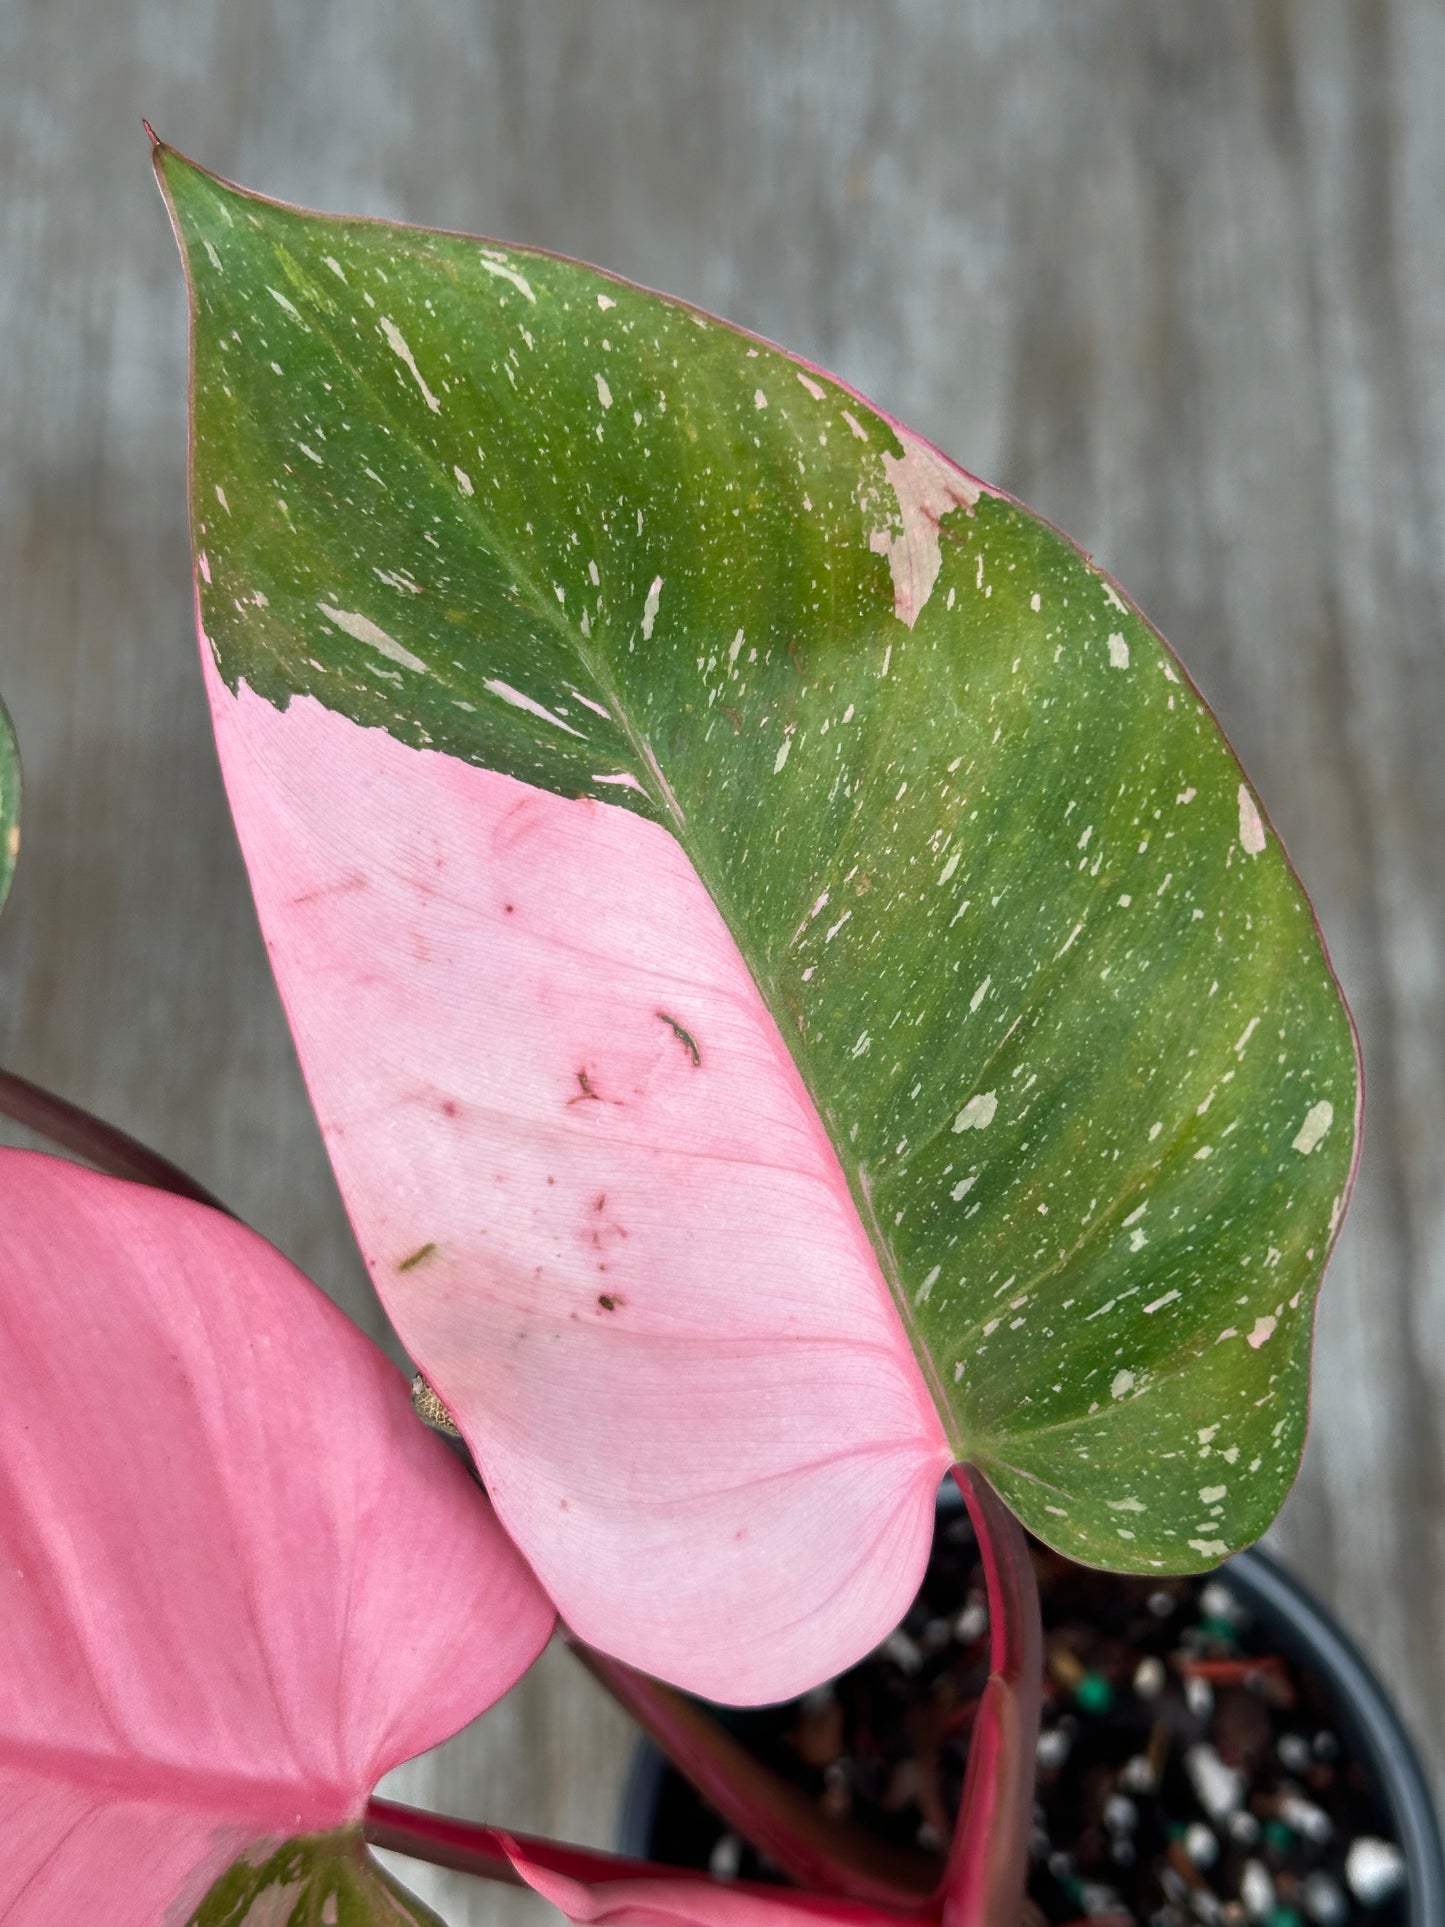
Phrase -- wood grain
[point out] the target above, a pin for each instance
(1172, 270)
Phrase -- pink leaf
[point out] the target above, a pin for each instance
(596, 1199)
(238, 1580)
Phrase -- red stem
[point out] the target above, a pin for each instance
(988, 1860)
(108, 1149)
(470, 1848)
(473, 1849)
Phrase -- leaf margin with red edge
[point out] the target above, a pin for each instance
(1073, 1383)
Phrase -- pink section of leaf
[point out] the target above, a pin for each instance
(596, 1199)
(926, 486)
(238, 1580)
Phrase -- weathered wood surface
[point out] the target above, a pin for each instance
(1172, 270)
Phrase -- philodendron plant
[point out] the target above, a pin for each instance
(799, 995)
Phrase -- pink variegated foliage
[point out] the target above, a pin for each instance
(238, 1581)
(795, 986)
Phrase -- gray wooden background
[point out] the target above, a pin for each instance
(1172, 270)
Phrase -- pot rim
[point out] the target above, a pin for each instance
(1369, 1716)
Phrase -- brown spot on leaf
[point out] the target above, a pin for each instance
(684, 1037)
(585, 1092)
(341, 889)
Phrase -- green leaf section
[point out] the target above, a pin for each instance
(9, 803)
(1054, 988)
(318, 1880)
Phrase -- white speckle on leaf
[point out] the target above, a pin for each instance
(604, 393)
(464, 481)
(1112, 597)
(204, 566)
(1036, 602)
(812, 387)
(1068, 942)
(1263, 1329)
(215, 258)
(1212, 1494)
(1138, 1238)
(833, 929)
(962, 1188)
(860, 1048)
(532, 707)
(760, 400)
(605, 301)
(311, 454)
(396, 341)
(397, 579)
(1317, 1122)
(925, 1290)
(363, 629)
(1118, 651)
(782, 755)
(859, 431)
(1160, 1303)
(1210, 1548)
(221, 498)
(978, 1113)
(281, 300)
(735, 647)
(1125, 1505)
(1251, 828)
(624, 780)
(1154, 1130)
(978, 996)
(949, 867)
(331, 262)
(649, 608)
(497, 264)
(1123, 1384)
(1245, 1035)
(926, 487)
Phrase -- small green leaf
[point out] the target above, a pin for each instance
(9, 802)
(1044, 969)
(319, 1880)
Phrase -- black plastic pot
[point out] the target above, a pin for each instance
(1303, 1629)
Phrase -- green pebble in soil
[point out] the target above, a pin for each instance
(1093, 1694)
(1220, 1631)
